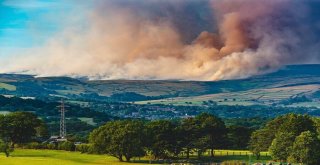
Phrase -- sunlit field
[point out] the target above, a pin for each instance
(54, 157)
(51, 157)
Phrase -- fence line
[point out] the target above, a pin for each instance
(236, 153)
(228, 153)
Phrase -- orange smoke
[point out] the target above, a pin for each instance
(123, 44)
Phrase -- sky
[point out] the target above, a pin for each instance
(30, 23)
(157, 39)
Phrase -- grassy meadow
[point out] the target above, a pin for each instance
(55, 157)
(7, 87)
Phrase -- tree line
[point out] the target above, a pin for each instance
(125, 139)
(291, 137)
(160, 138)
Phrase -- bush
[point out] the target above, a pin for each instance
(51, 146)
(84, 148)
(34, 145)
(233, 163)
(67, 146)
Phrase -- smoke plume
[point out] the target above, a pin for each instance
(178, 39)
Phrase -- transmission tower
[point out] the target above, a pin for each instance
(63, 129)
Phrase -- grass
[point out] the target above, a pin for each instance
(4, 112)
(88, 120)
(263, 96)
(306, 104)
(7, 87)
(52, 157)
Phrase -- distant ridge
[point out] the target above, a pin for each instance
(73, 88)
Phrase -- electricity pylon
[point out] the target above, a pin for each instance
(63, 128)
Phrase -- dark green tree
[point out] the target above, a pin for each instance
(306, 149)
(19, 127)
(238, 137)
(162, 138)
(119, 139)
(179, 144)
(257, 143)
(281, 146)
(296, 124)
(212, 130)
(189, 134)
(291, 124)
(5, 148)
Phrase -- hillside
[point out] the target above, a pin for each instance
(290, 86)
(289, 82)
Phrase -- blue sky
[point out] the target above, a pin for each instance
(29, 23)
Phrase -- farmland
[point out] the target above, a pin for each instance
(7, 87)
(267, 96)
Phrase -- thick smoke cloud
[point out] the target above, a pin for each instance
(190, 40)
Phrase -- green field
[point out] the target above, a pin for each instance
(54, 157)
(7, 87)
(266, 96)
(4, 112)
(50, 157)
(87, 120)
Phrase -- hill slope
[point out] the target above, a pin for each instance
(288, 82)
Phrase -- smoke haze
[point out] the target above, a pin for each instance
(178, 39)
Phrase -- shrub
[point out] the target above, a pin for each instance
(67, 146)
(233, 163)
(33, 145)
(51, 146)
(84, 148)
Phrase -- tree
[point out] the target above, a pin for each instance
(281, 146)
(201, 145)
(213, 130)
(179, 136)
(42, 131)
(291, 124)
(258, 140)
(306, 149)
(239, 137)
(19, 127)
(5, 148)
(119, 139)
(162, 138)
(189, 134)
(297, 124)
